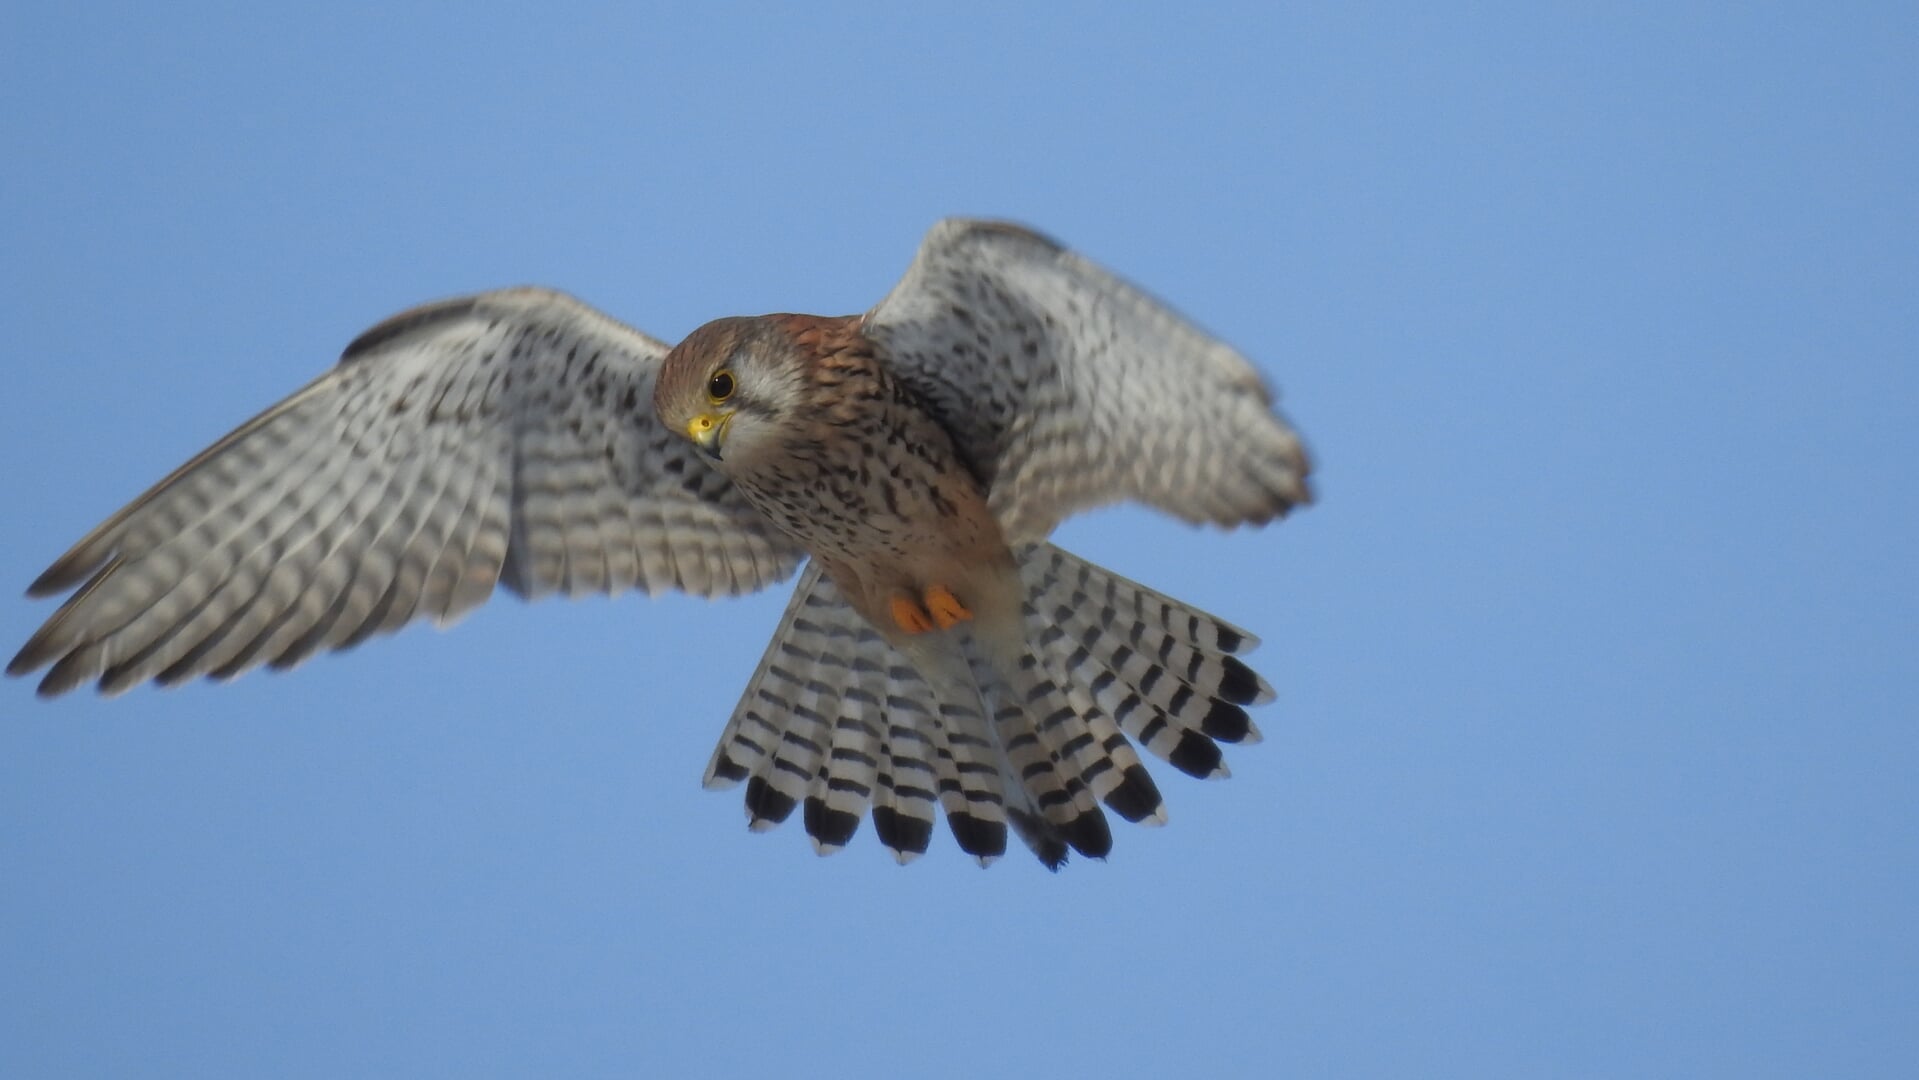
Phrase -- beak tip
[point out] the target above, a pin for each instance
(707, 433)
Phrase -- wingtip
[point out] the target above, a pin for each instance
(412, 320)
(68, 570)
(963, 227)
(22, 663)
(68, 673)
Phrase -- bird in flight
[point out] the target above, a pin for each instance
(937, 650)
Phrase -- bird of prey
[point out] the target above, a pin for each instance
(937, 651)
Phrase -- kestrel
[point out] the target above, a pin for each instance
(937, 650)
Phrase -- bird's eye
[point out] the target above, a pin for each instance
(720, 386)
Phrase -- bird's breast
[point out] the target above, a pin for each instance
(882, 486)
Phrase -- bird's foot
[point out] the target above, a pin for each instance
(936, 607)
(945, 608)
(908, 615)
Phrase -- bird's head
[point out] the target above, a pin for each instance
(731, 387)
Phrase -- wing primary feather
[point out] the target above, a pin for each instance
(464, 440)
(1065, 387)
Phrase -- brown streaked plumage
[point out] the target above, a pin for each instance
(859, 475)
(936, 651)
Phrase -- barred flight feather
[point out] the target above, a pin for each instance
(838, 721)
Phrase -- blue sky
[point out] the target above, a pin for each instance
(1594, 752)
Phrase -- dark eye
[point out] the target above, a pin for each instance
(720, 386)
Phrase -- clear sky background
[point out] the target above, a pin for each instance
(1595, 748)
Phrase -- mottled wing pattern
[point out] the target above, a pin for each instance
(507, 437)
(836, 722)
(1067, 388)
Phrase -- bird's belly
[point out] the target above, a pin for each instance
(904, 523)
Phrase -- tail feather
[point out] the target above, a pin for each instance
(779, 737)
(1106, 762)
(1167, 673)
(761, 715)
(1026, 729)
(1056, 572)
(844, 782)
(1039, 804)
(903, 804)
(833, 718)
(967, 776)
(1041, 710)
(1150, 656)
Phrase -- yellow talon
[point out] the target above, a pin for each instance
(909, 616)
(945, 608)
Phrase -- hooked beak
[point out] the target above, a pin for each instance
(708, 432)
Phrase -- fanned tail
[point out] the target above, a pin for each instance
(837, 720)
(1026, 729)
(1166, 671)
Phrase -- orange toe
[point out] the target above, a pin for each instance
(909, 616)
(945, 608)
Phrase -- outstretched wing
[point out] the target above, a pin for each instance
(1067, 388)
(506, 437)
